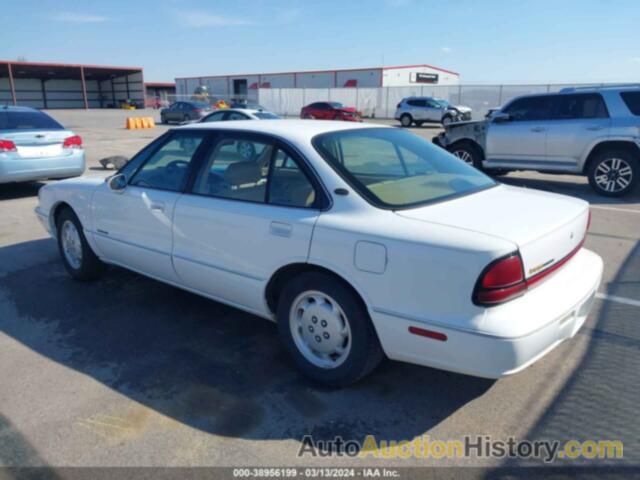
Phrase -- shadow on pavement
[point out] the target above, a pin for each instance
(14, 191)
(207, 365)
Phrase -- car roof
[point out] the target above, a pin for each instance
(303, 130)
(17, 108)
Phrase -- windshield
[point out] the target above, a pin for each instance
(336, 104)
(393, 168)
(266, 116)
(444, 103)
(10, 120)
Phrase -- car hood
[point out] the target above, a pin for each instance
(546, 227)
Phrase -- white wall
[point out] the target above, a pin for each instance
(363, 78)
(316, 80)
(283, 80)
(401, 77)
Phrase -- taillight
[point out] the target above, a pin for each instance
(7, 146)
(72, 142)
(501, 280)
(197, 110)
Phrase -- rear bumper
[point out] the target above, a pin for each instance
(552, 312)
(27, 169)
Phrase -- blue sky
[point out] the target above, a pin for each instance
(487, 41)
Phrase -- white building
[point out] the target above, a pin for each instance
(243, 85)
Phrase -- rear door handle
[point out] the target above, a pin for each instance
(157, 206)
(280, 229)
(538, 129)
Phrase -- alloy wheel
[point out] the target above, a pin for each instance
(613, 175)
(71, 244)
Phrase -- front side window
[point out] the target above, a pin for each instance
(396, 169)
(254, 171)
(530, 109)
(214, 117)
(569, 107)
(417, 103)
(167, 168)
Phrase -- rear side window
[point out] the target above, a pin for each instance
(530, 109)
(632, 100)
(589, 105)
(10, 120)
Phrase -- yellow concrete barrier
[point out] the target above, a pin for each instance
(134, 123)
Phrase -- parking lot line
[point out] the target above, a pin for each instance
(613, 298)
(626, 210)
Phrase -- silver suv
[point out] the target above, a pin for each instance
(421, 110)
(587, 131)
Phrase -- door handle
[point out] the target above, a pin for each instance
(538, 129)
(280, 229)
(157, 206)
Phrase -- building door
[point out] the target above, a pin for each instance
(240, 88)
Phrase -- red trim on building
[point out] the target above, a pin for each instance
(67, 65)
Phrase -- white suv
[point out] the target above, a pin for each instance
(421, 110)
(589, 131)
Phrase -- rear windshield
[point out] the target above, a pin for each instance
(395, 169)
(266, 116)
(632, 100)
(27, 121)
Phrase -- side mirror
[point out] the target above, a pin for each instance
(501, 117)
(117, 183)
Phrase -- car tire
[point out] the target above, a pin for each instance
(406, 120)
(163, 120)
(468, 153)
(316, 309)
(447, 120)
(246, 150)
(308, 116)
(613, 173)
(186, 119)
(77, 256)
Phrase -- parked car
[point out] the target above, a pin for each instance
(330, 111)
(420, 110)
(360, 241)
(33, 146)
(181, 112)
(239, 114)
(585, 131)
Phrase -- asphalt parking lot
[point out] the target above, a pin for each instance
(128, 371)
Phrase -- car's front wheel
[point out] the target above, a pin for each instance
(613, 173)
(468, 153)
(406, 120)
(326, 330)
(77, 256)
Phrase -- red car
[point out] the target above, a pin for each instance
(330, 111)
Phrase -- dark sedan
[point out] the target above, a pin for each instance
(184, 112)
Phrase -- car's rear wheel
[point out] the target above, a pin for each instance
(468, 153)
(78, 258)
(185, 119)
(163, 120)
(326, 330)
(406, 120)
(613, 173)
(308, 116)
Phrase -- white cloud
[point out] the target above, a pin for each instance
(445, 49)
(72, 17)
(198, 19)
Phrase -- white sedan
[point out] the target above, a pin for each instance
(360, 241)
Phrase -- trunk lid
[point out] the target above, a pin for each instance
(546, 227)
(38, 143)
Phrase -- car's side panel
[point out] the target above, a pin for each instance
(230, 248)
(134, 228)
